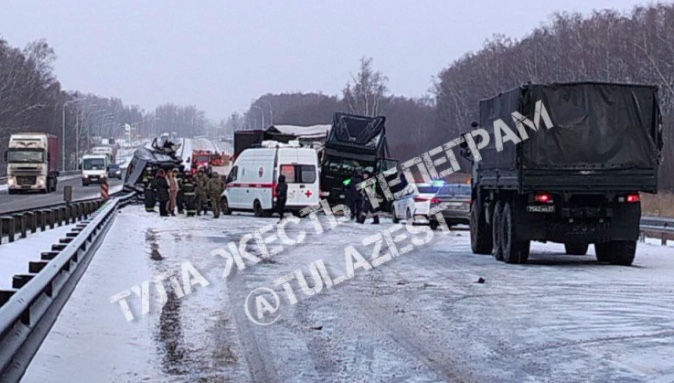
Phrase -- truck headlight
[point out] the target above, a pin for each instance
(40, 181)
(10, 181)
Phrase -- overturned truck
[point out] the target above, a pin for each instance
(564, 163)
(354, 144)
(160, 155)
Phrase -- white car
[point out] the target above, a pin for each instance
(415, 203)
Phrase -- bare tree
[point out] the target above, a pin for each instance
(366, 89)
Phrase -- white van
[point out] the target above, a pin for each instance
(251, 183)
(94, 168)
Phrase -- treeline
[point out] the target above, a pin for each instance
(408, 119)
(366, 93)
(605, 46)
(32, 100)
(30, 96)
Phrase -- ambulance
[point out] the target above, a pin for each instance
(251, 183)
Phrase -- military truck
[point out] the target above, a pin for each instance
(563, 163)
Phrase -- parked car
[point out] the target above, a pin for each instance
(416, 202)
(455, 201)
(114, 171)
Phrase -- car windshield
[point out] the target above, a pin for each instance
(427, 189)
(25, 156)
(93, 164)
(455, 189)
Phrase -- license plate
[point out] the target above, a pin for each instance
(541, 209)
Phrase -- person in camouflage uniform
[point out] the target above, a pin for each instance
(215, 188)
(202, 192)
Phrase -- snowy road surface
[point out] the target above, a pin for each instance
(419, 317)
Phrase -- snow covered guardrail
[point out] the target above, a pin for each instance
(659, 225)
(28, 311)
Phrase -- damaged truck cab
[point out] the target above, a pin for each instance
(564, 163)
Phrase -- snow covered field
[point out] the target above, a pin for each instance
(419, 317)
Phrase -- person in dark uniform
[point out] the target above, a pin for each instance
(189, 195)
(148, 191)
(281, 196)
(367, 204)
(180, 199)
(163, 195)
(354, 199)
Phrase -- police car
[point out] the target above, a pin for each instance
(416, 202)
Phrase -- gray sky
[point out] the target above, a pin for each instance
(219, 55)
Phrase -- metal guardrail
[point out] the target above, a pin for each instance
(28, 312)
(20, 223)
(660, 225)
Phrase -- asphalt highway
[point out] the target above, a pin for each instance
(35, 199)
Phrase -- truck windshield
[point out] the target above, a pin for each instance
(25, 156)
(346, 166)
(93, 164)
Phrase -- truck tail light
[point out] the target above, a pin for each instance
(273, 189)
(543, 198)
(632, 198)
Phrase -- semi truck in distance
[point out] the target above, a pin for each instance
(32, 161)
(106, 150)
(564, 163)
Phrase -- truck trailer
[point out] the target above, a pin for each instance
(564, 163)
(32, 160)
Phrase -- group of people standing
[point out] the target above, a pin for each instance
(183, 192)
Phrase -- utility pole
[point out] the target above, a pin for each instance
(63, 133)
(261, 110)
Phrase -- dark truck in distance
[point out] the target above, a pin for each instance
(355, 143)
(576, 182)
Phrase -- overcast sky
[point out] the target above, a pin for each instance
(219, 55)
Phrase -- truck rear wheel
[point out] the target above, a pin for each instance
(616, 252)
(514, 251)
(481, 241)
(576, 248)
(496, 223)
